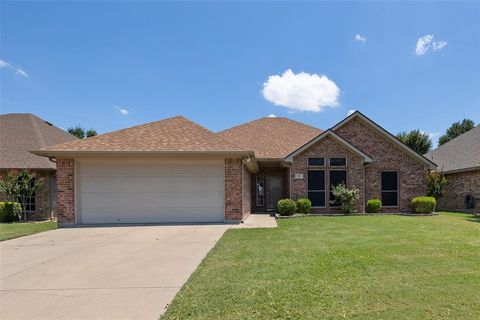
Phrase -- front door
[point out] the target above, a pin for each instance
(274, 191)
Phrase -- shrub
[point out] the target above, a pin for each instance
(435, 182)
(374, 205)
(286, 207)
(347, 198)
(10, 211)
(424, 204)
(304, 205)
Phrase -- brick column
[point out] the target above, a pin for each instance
(233, 189)
(66, 190)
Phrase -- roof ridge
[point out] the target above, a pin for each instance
(37, 130)
(269, 118)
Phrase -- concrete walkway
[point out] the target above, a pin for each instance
(259, 221)
(100, 272)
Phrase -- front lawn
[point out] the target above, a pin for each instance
(20, 229)
(370, 267)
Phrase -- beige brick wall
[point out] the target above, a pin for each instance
(327, 148)
(457, 187)
(66, 190)
(386, 156)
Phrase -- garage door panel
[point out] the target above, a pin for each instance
(151, 184)
(144, 200)
(150, 193)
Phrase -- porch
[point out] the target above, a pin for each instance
(270, 184)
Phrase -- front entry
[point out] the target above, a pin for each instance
(274, 191)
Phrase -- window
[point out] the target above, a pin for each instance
(316, 162)
(316, 187)
(389, 189)
(260, 191)
(336, 177)
(338, 162)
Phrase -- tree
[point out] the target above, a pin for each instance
(81, 133)
(417, 140)
(435, 182)
(20, 185)
(455, 130)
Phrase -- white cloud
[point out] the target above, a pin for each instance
(430, 134)
(18, 71)
(360, 38)
(271, 115)
(350, 112)
(427, 42)
(122, 110)
(301, 91)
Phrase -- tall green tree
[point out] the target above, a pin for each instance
(455, 130)
(416, 140)
(81, 133)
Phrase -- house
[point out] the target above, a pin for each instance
(20, 133)
(459, 160)
(176, 171)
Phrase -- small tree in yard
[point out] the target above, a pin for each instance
(347, 198)
(20, 185)
(435, 182)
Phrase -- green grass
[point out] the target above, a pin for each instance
(20, 229)
(370, 267)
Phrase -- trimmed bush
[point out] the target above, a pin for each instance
(423, 204)
(347, 198)
(286, 207)
(374, 205)
(304, 205)
(10, 211)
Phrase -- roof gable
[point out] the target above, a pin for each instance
(176, 134)
(459, 154)
(333, 135)
(271, 138)
(22, 132)
(385, 134)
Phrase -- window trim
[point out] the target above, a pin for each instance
(330, 165)
(256, 191)
(397, 190)
(329, 185)
(317, 166)
(324, 191)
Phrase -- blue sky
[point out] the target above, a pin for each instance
(114, 65)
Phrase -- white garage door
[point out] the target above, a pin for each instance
(170, 191)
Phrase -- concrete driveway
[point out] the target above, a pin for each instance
(129, 272)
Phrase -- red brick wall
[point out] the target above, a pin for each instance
(327, 148)
(65, 190)
(458, 186)
(233, 189)
(386, 156)
(246, 195)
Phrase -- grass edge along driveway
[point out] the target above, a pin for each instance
(19, 229)
(358, 267)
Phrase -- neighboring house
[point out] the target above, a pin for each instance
(177, 171)
(20, 133)
(459, 160)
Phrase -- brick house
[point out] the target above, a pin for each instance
(177, 171)
(459, 160)
(20, 133)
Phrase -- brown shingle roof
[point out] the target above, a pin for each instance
(271, 138)
(461, 153)
(175, 134)
(20, 133)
